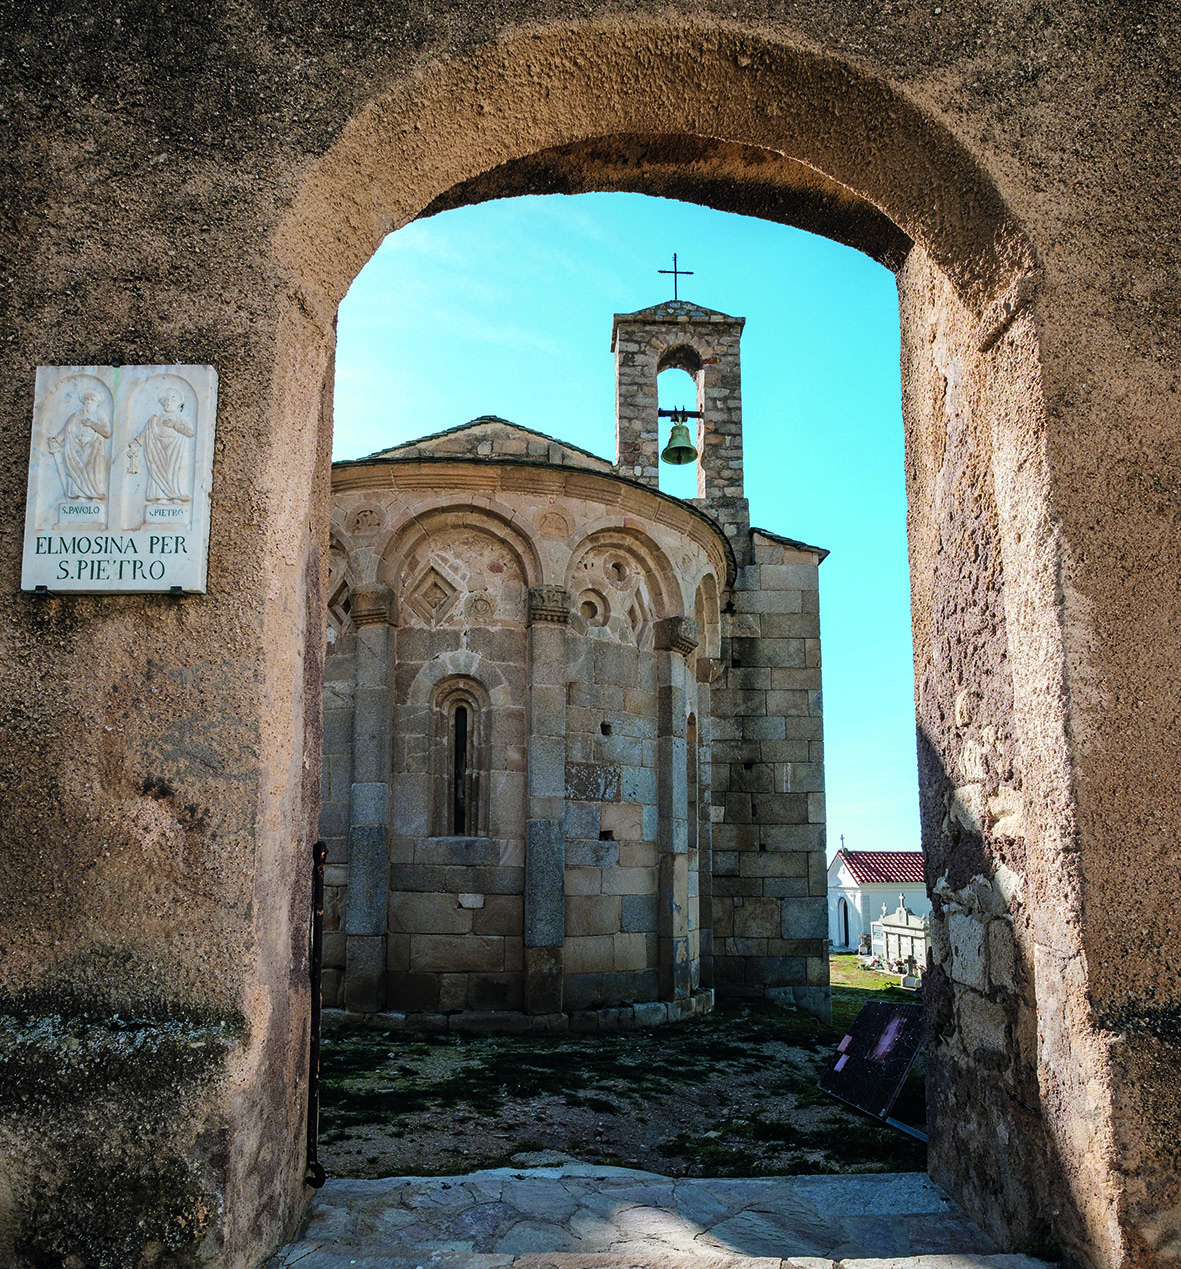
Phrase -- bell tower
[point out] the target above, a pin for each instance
(678, 335)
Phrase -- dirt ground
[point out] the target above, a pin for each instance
(732, 1093)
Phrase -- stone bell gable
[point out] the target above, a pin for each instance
(572, 758)
(678, 335)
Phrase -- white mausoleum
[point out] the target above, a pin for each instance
(861, 882)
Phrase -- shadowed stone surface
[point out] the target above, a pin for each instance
(545, 861)
(594, 1217)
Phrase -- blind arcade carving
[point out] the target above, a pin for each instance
(120, 472)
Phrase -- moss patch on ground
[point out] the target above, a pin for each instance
(732, 1093)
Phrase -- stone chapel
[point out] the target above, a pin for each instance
(573, 764)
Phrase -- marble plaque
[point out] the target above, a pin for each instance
(120, 473)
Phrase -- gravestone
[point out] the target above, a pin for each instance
(120, 472)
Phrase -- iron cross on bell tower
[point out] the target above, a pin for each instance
(677, 273)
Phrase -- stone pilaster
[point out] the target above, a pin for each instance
(636, 420)
(676, 637)
(367, 903)
(719, 438)
(707, 670)
(545, 843)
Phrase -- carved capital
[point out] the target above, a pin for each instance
(676, 634)
(371, 605)
(549, 603)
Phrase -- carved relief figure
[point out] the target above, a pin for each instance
(80, 451)
(614, 597)
(164, 441)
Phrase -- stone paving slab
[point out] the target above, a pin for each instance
(319, 1258)
(581, 1216)
(874, 1194)
(957, 1261)
(658, 1260)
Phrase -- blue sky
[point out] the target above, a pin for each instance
(506, 309)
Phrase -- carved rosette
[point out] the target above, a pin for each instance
(677, 634)
(549, 603)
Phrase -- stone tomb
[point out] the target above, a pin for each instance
(120, 473)
(902, 934)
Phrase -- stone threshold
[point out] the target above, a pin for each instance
(554, 1212)
(641, 1016)
(328, 1258)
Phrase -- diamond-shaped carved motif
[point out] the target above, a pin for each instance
(431, 595)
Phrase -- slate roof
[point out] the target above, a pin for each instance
(884, 867)
(823, 552)
(483, 421)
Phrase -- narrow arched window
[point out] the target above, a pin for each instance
(460, 760)
(461, 772)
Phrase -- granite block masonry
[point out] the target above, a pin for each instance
(573, 693)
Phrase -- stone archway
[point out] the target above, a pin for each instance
(806, 140)
(172, 780)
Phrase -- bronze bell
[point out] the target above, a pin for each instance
(680, 448)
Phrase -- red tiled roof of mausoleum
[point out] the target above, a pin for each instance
(884, 867)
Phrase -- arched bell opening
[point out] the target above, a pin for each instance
(678, 432)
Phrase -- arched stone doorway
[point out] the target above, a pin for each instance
(214, 702)
(809, 142)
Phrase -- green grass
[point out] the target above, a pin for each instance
(853, 987)
(368, 1079)
(365, 1080)
(856, 1143)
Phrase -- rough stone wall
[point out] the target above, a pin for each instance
(196, 185)
(770, 883)
(637, 422)
(1005, 993)
(980, 986)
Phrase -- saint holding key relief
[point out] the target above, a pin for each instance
(164, 442)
